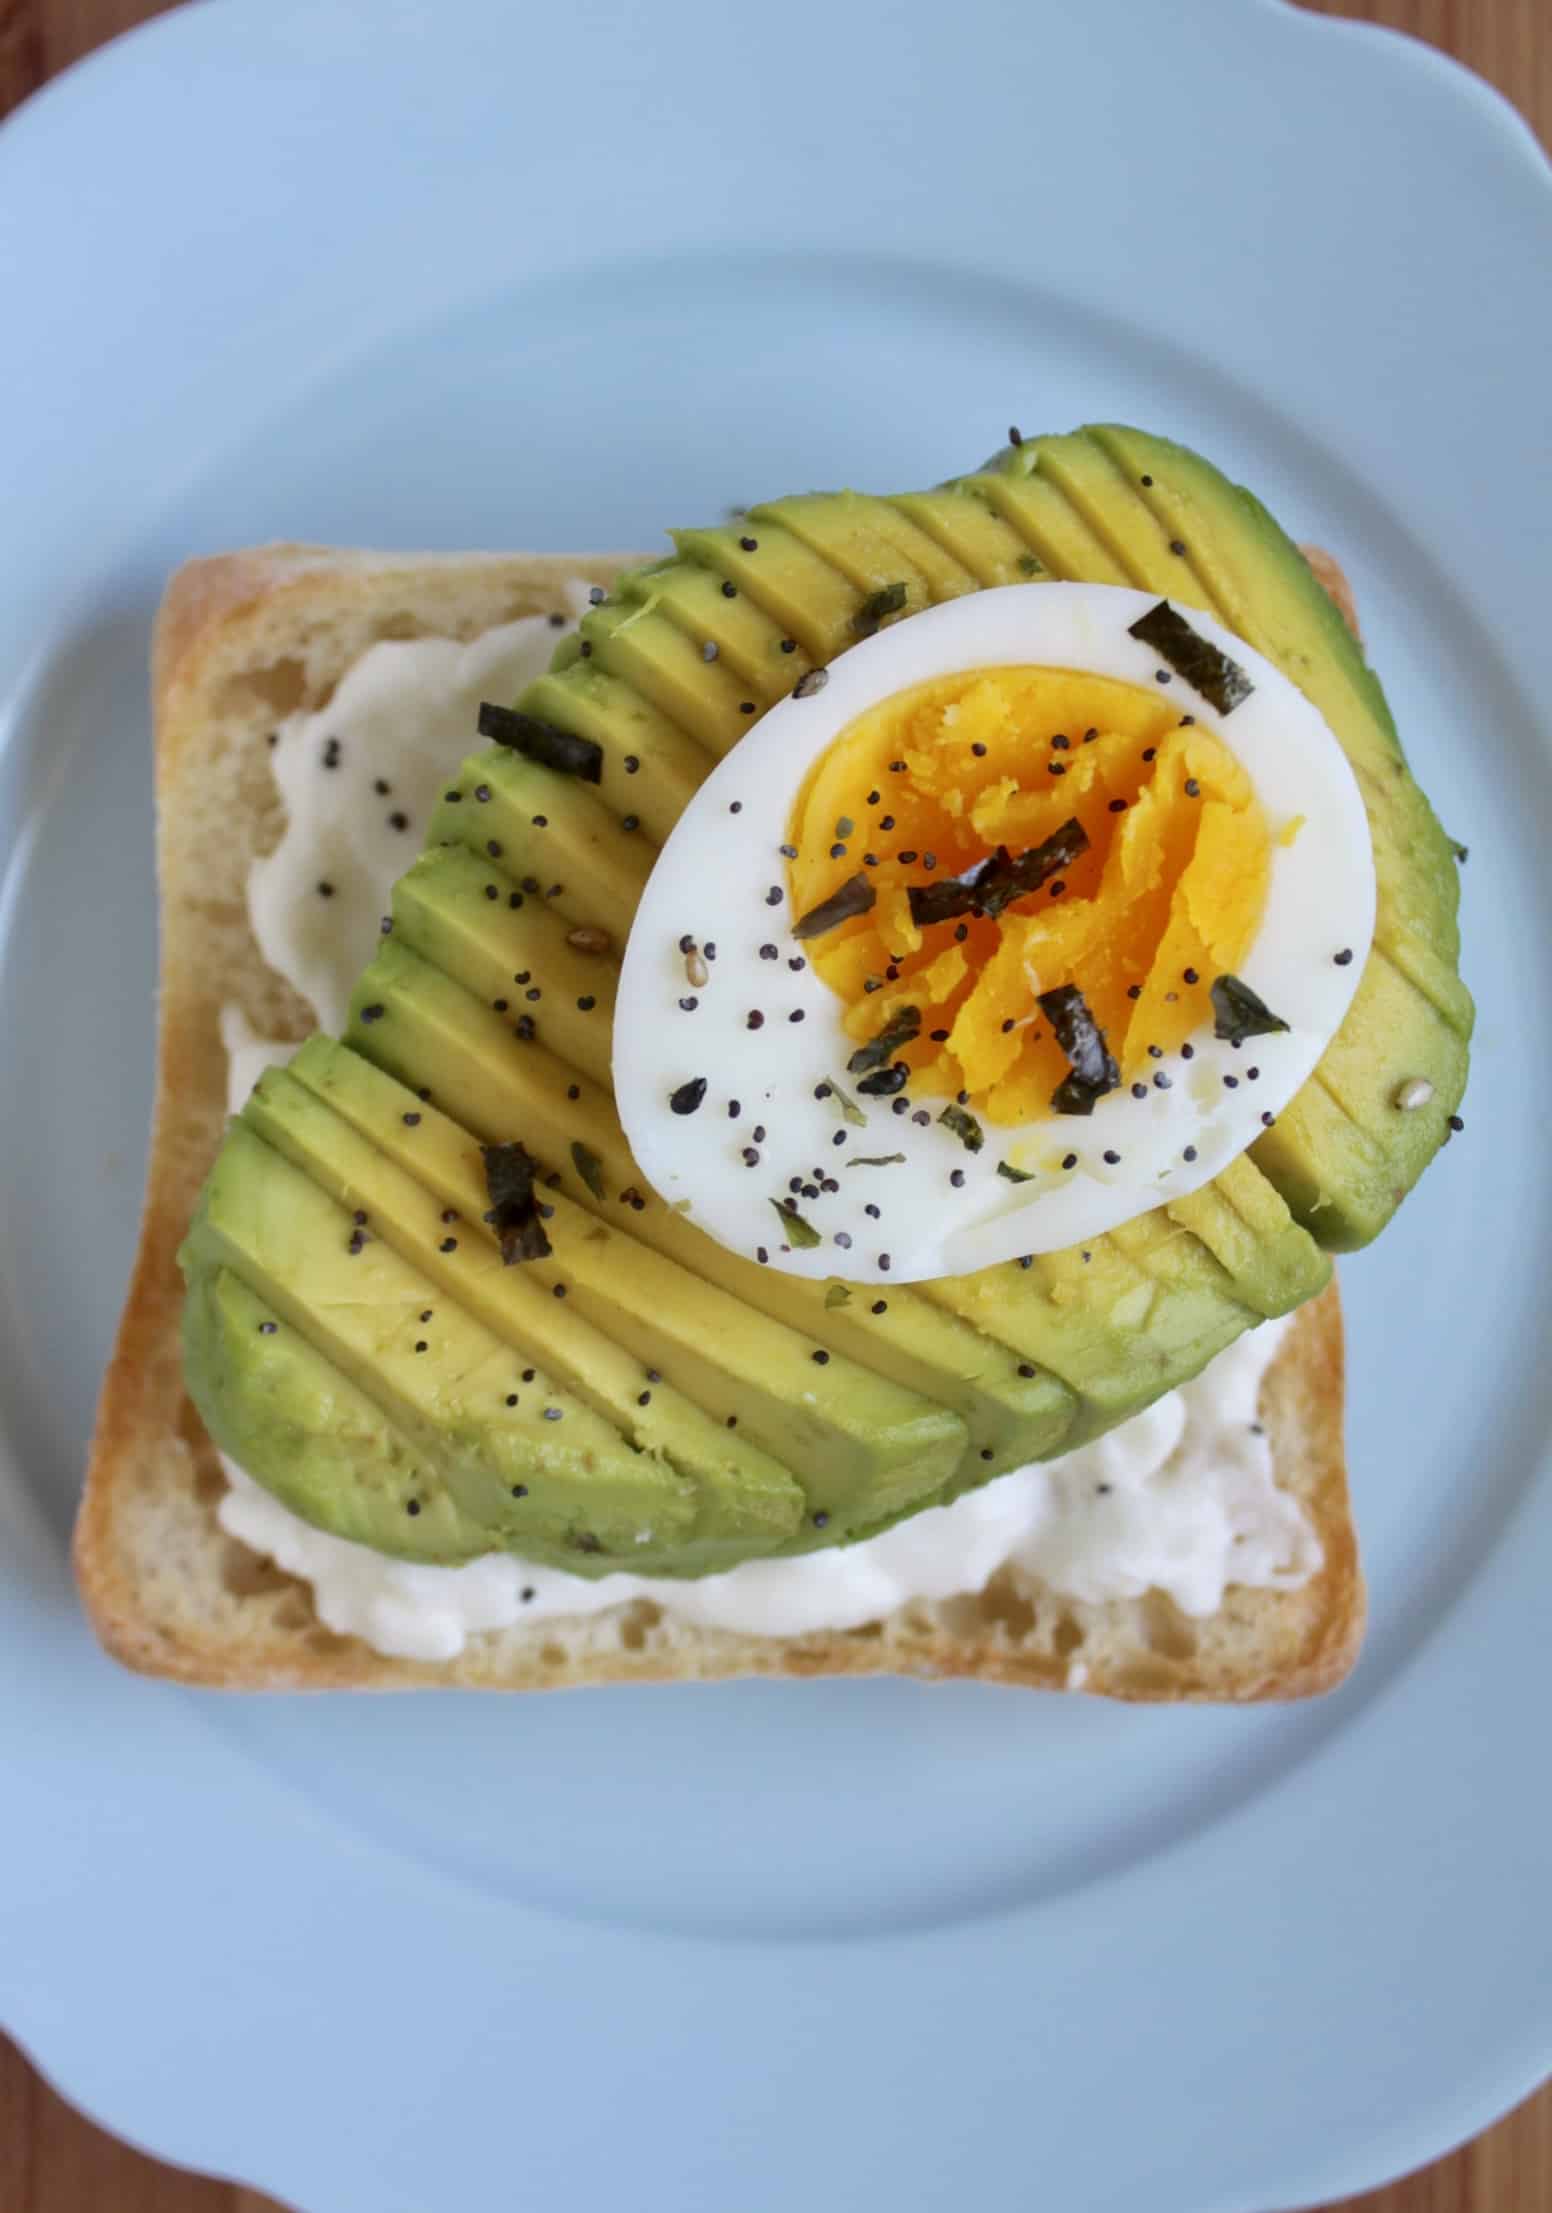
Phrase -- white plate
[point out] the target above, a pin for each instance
(481, 275)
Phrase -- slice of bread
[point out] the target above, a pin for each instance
(242, 640)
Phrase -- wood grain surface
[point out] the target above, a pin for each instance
(54, 2161)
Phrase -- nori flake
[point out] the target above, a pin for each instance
(539, 741)
(1093, 1071)
(854, 897)
(1239, 1012)
(993, 884)
(1221, 682)
(510, 1173)
(903, 1028)
(1014, 1175)
(874, 1160)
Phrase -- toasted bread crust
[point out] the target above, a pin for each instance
(245, 635)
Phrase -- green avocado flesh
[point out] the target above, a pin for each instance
(641, 1397)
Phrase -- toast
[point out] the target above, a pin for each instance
(240, 641)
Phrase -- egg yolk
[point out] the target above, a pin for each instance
(1168, 895)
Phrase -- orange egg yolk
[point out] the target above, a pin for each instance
(929, 782)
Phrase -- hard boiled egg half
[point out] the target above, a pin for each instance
(1026, 915)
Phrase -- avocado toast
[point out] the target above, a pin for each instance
(917, 1397)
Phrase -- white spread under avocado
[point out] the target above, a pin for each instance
(1181, 1499)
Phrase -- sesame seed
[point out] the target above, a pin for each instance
(1134, 991)
(1118, 806)
(729, 590)
(1161, 1081)
(759, 1133)
(1112, 1160)
(1231, 1083)
(821, 1519)
(573, 1091)
(750, 545)
(773, 896)
(411, 1120)
(448, 1244)
(1189, 1153)
(751, 1157)
(412, 1506)
(268, 1329)
(1139, 1091)
(1069, 1160)
(821, 1358)
(511, 1398)
(1193, 788)
(552, 1413)
(1145, 480)
(709, 649)
(957, 1178)
(1456, 1124)
(1189, 976)
(397, 821)
(1266, 1121)
(789, 645)
(1188, 1052)
(754, 1019)
(796, 1015)
(746, 707)
(1344, 958)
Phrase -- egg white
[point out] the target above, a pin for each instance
(713, 883)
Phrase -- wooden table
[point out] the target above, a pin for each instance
(53, 2161)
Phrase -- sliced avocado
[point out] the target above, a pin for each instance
(548, 1478)
(520, 961)
(558, 842)
(742, 636)
(974, 533)
(300, 1427)
(858, 1442)
(812, 602)
(840, 527)
(1342, 1153)
(644, 647)
(1244, 1222)
(867, 1403)
(650, 764)
(1013, 1412)
(747, 1503)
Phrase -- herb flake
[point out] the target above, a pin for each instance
(836, 1294)
(874, 1160)
(964, 1126)
(888, 600)
(850, 1111)
(801, 1235)
(590, 1168)
(1014, 1175)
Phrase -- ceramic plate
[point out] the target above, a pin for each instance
(372, 271)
